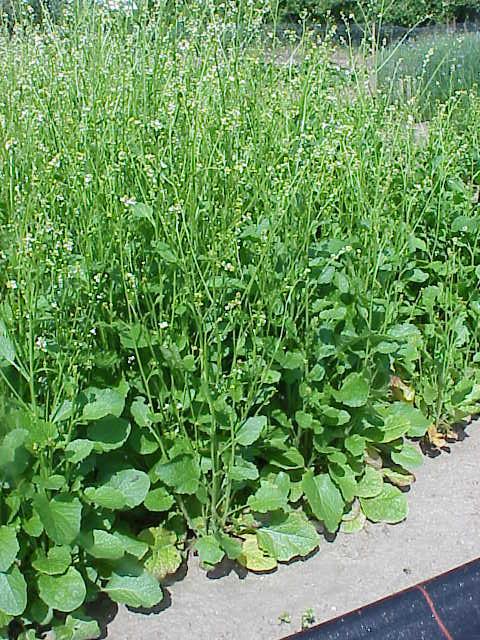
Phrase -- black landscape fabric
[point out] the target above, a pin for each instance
(444, 608)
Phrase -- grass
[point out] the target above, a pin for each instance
(433, 68)
(231, 290)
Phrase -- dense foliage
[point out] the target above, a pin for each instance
(231, 291)
(399, 12)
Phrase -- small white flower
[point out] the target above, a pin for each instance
(41, 343)
(11, 284)
(128, 201)
(88, 178)
(163, 325)
(93, 331)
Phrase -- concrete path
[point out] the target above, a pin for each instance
(441, 532)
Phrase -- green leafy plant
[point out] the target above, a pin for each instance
(233, 299)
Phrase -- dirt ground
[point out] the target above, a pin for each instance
(441, 532)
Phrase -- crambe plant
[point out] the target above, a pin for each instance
(234, 294)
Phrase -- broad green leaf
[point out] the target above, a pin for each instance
(292, 360)
(60, 516)
(101, 544)
(141, 412)
(4, 622)
(57, 560)
(324, 499)
(304, 420)
(9, 547)
(253, 558)
(164, 557)
(389, 506)
(132, 484)
(231, 546)
(37, 611)
(243, 470)
(465, 224)
(371, 484)
(289, 459)
(159, 500)
(33, 526)
(182, 474)
(7, 349)
(14, 458)
(251, 430)
(408, 457)
(143, 211)
(296, 491)
(64, 412)
(334, 416)
(13, 592)
(63, 593)
(209, 550)
(40, 433)
(77, 628)
(353, 521)
(134, 336)
(394, 427)
(344, 478)
(143, 442)
(133, 546)
(77, 450)
(106, 497)
(54, 482)
(354, 391)
(270, 496)
(138, 590)
(355, 445)
(104, 402)
(287, 536)
(418, 424)
(108, 433)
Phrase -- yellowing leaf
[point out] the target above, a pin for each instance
(253, 558)
(436, 438)
(401, 391)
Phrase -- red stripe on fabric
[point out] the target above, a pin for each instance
(439, 621)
